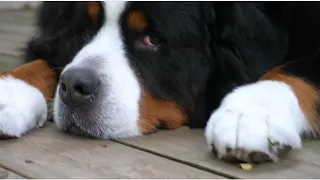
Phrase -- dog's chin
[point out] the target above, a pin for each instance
(77, 131)
(89, 122)
(69, 121)
(77, 128)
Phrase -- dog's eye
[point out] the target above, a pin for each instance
(151, 41)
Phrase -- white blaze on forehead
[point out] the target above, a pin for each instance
(113, 10)
(108, 38)
(121, 90)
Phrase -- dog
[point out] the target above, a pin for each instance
(244, 71)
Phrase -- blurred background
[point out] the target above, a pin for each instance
(18, 4)
(16, 27)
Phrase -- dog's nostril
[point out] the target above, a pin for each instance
(83, 90)
(63, 86)
(78, 85)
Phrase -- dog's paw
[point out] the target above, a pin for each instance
(22, 108)
(256, 123)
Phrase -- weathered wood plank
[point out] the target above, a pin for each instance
(14, 34)
(14, 38)
(18, 15)
(11, 44)
(15, 28)
(49, 153)
(18, 5)
(9, 62)
(5, 174)
(189, 146)
(17, 18)
(11, 49)
(14, 176)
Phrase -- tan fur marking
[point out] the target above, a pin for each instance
(137, 21)
(154, 112)
(38, 74)
(93, 10)
(307, 94)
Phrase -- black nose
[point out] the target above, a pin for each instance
(77, 85)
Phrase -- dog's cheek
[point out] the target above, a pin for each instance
(156, 113)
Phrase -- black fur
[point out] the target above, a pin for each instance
(206, 48)
(63, 29)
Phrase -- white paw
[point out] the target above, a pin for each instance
(22, 107)
(256, 123)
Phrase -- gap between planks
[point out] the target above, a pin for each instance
(188, 146)
(49, 153)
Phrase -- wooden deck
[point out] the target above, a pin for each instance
(48, 153)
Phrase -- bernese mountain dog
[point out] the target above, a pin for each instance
(247, 72)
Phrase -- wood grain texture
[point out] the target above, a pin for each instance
(14, 33)
(49, 153)
(5, 174)
(189, 146)
(23, 17)
(9, 62)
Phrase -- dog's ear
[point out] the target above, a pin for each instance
(222, 23)
(222, 18)
(61, 15)
(228, 12)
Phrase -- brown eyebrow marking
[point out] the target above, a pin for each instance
(137, 20)
(93, 10)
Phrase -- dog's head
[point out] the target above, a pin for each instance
(147, 67)
(144, 69)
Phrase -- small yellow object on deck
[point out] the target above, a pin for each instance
(245, 166)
